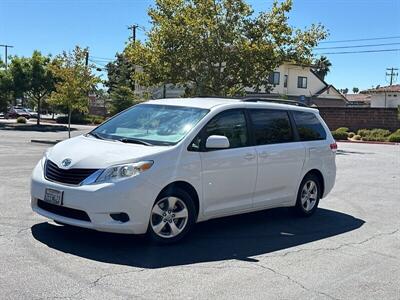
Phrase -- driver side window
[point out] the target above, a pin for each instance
(231, 124)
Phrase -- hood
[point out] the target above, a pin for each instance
(92, 153)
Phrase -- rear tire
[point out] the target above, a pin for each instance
(172, 216)
(308, 196)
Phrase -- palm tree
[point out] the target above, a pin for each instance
(322, 65)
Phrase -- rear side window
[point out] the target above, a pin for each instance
(308, 126)
(270, 126)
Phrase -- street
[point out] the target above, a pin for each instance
(350, 249)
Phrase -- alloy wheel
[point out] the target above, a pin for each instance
(309, 195)
(169, 217)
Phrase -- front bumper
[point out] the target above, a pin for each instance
(133, 196)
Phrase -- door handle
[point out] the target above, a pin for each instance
(249, 156)
(263, 154)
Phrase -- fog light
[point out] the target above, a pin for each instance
(121, 217)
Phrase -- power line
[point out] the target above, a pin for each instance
(359, 40)
(364, 51)
(103, 58)
(358, 46)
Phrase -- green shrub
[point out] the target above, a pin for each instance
(342, 129)
(351, 134)
(339, 135)
(96, 119)
(357, 137)
(21, 120)
(81, 119)
(379, 135)
(363, 132)
(395, 137)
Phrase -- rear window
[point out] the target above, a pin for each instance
(271, 126)
(308, 126)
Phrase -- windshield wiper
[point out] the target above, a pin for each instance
(96, 135)
(134, 141)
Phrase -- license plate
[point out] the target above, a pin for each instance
(53, 196)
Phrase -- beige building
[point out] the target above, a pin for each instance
(385, 96)
(292, 81)
(299, 82)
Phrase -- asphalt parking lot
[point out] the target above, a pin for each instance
(349, 250)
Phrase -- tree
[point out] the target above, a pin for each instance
(5, 88)
(344, 91)
(355, 90)
(120, 73)
(322, 66)
(219, 47)
(74, 82)
(120, 83)
(121, 98)
(32, 77)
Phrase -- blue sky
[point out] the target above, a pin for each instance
(52, 26)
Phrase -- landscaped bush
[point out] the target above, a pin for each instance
(363, 132)
(339, 135)
(96, 120)
(21, 120)
(395, 137)
(357, 137)
(379, 135)
(342, 129)
(351, 134)
(81, 119)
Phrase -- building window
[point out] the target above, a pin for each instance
(274, 78)
(302, 82)
(285, 81)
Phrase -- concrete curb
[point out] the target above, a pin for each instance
(368, 142)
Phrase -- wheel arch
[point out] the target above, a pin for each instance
(186, 187)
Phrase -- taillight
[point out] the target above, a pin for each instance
(333, 147)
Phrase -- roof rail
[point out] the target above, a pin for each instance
(275, 100)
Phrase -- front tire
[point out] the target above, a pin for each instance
(308, 196)
(172, 216)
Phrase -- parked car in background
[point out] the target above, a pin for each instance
(161, 166)
(16, 112)
(31, 112)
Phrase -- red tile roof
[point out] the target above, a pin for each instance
(358, 97)
(382, 89)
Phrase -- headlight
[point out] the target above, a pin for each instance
(45, 156)
(116, 173)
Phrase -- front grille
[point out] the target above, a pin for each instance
(64, 211)
(71, 176)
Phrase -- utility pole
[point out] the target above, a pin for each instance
(86, 58)
(392, 74)
(133, 28)
(6, 48)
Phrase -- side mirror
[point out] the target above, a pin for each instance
(217, 142)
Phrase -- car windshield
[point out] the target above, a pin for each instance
(151, 124)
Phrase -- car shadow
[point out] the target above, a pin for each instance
(345, 152)
(238, 237)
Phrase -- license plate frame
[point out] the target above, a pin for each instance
(53, 196)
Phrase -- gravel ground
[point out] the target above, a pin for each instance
(348, 250)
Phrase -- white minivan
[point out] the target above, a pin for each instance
(163, 165)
